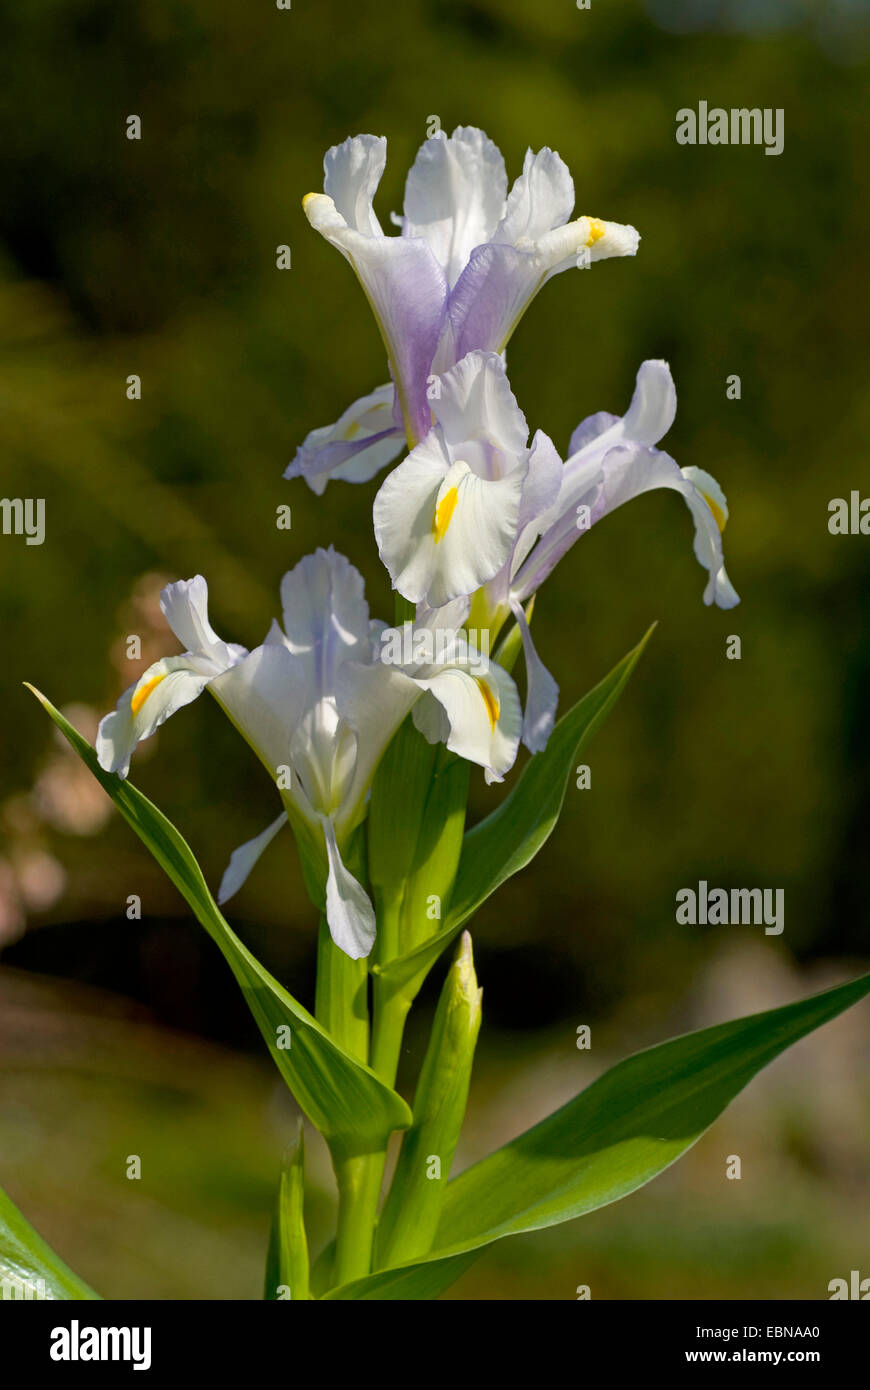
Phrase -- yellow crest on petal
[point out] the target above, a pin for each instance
(143, 691)
(596, 231)
(490, 699)
(443, 513)
(718, 514)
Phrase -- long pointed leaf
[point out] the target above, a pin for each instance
(29, 1268)
(618, 1134)
(346, 1101)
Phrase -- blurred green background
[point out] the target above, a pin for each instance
(157, 257)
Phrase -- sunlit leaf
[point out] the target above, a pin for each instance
(29, 1269)
(618, 1134)
(351, 1107)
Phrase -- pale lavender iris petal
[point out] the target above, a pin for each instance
(542, 692)
(335, 450)
(647, 420)
(563, 525)
(409, 295)
(627, 471)
(407, 290)
(489, 297)
(543, 481)
(360, 443)
(352, 461)
(590, 429)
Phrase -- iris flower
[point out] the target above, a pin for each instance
(318, 703)
(473, 511)
(468, 261)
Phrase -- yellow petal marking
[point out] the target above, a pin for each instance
(596, 230)
(443, 513)
(490, 699)
(718, 514)
(307, 199)
(144, 691)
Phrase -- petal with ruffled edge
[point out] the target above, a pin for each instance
(360, 443)
(455, 196)
(477, 410)
(349, 913)
(325, 616)
(442, 530)
(167, 685)
(170, 683)
(185, 607)
(478, 714)
(542, 198)
(243, 859)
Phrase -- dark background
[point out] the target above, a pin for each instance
(157, 257)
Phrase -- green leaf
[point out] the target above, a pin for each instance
(618, 1134)
(508, 839)
(28, 1267)
(346, 1101)
(287, 1259)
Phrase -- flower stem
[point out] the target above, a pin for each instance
(341, 996)
(359, 1188)
(390, 1012)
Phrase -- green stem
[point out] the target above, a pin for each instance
(341, 1006)
(360, 1177)
(390, 1012)
(359, 1188)
(341, 996)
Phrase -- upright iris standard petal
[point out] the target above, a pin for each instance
(541, 199)
(455, 196)
(360, 443)
(170, 683)
(650, 415)
(185, 607)
(446, 518)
